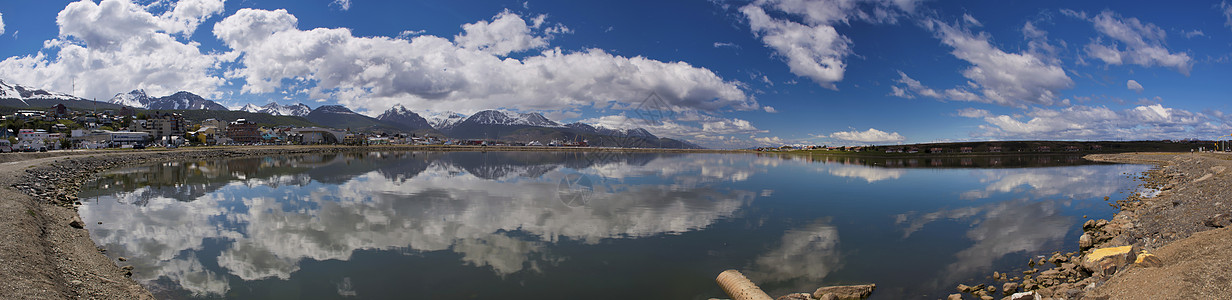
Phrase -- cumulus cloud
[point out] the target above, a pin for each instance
(814, 48)
(1133, 85)
(769, 109)
(1146, 122)
(1133, 42)
(1010, 79)
(871, 135)
(1, 23)
(115, 46)
(973, 113)
(507, 33)
(434, 73)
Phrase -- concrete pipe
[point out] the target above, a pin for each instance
(740, 288)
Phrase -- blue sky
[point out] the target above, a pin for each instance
(724, 74)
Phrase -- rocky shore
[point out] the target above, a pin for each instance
(1171, 245)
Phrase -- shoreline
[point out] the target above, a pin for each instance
(1172, 245)
(47, 254)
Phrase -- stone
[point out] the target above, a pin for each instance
(795, 296)
(77, 223)
(1218, 221)
(1147, 260)
(1093, 259)
(122, 258)
(1084, 241)
(962, 288)
(990, 289)
(1009, 287)
(847, 292)
(954, 297)
(828, 297)
(986, 297)
(1025, 296)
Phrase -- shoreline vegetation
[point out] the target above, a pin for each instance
(48, 255)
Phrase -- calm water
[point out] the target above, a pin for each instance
(586, 226)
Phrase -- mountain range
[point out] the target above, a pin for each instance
(179, 100)
(273, 108)
(487, 124)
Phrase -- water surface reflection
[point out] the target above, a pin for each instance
(526, 225)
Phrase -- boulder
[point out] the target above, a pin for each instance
(962, 288)
(1025, 296)
(954, 297)
(1117, 256)
(77, 223)
(846, 292)
(1218, 221)
(1084, 241)
(795, 296)
(1147, 260)
(1009, 287)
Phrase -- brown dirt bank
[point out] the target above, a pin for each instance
(43, 255)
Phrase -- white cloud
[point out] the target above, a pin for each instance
(115, 46)
(971, 20)
(706, 130)
(433, 73)
(770, 140)
(769, 109)
(1147, 122)
(1227, 13)
(868, 136)
(814, 49)
(507, 33)
(726, 44)
(1134, 42)
(1193, 33)
(1, 23)
(1133, 85)
(342, 4)
(1010, 79)
(973, 113)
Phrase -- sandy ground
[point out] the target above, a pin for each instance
(41, 256)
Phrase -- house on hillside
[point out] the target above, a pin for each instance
(1043, 149)
(965, 149)
(994, 149)
(936, 150)
(1072, 148)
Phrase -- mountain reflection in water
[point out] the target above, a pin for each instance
(534, 225)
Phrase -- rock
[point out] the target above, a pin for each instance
(828, 297)
(986, 297)
(795, 296)
(1093, 259)
(1218, 221)
(1025, 296)
(847, 292)
(123, 258)
(1084, 241)
(962, 288)
(77, 223)
(990, 289)
(1009, 287)
(954, 297)
(1147, 260)
(996, 275)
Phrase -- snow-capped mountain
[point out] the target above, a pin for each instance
(338, 116)
(600, 130)
(273, 108)
(440, 120)
(19, 92)
(495, 117)
(404, 118)
(179, 100)
(135, 98)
